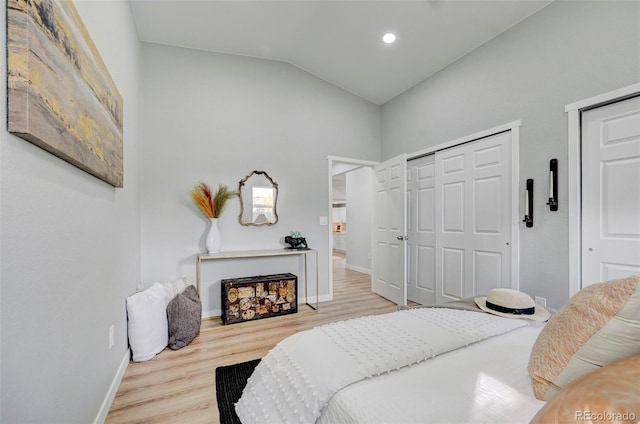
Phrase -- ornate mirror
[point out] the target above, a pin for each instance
(258, 198)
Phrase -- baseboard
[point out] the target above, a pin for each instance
(211, 313)
(358, 269)
(113, 389)
(312, 299)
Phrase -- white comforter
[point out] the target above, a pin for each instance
(296, 380)
(486, 383)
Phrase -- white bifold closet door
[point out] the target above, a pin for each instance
(421, 227)
(611, 192)
(473, 218)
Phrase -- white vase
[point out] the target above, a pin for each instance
(213, 239)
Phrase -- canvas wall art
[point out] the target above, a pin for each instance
(60, 94)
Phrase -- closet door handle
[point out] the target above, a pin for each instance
(402, 238)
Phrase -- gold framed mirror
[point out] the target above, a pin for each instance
(258, 199)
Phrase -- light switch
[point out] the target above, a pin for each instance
(323, 220)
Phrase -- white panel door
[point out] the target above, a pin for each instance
(421, 227)
(389, 222)
(473, 218)
(611, 192)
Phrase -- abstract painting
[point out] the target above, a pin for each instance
(60, 94)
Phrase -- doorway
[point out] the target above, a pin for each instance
(355, 255)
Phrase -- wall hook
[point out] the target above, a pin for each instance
(553, 185)
(528, 204)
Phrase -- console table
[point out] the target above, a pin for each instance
(248, 254)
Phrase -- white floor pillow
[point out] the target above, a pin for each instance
(147, 322)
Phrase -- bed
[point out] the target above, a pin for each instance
(443, 364)
(484, 382)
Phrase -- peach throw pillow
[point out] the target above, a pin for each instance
(597, 326)
(610, 394)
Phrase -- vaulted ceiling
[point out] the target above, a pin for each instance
(339, 41)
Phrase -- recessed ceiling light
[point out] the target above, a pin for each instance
(389, 38)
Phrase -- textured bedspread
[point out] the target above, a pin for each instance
(485, 383)
(295, 380)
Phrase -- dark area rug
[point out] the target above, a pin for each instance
(230, 381)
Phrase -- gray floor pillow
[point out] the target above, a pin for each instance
(184, 314)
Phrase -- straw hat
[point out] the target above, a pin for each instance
(510, 303)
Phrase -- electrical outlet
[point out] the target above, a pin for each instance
(111, 337)
(542, 301)
(324, 220)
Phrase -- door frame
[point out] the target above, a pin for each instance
(514, 127)
(348, 163)
(574, 202)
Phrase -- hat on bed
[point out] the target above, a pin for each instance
(512, 304)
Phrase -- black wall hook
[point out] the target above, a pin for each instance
(553, 185)
(528, 204)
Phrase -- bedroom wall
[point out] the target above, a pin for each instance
(215, 118)
(70, 254)
(566, 52)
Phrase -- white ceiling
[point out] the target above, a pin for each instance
(339, 41)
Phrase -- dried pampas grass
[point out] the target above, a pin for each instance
(209, 203)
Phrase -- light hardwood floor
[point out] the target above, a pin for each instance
(179, 387)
